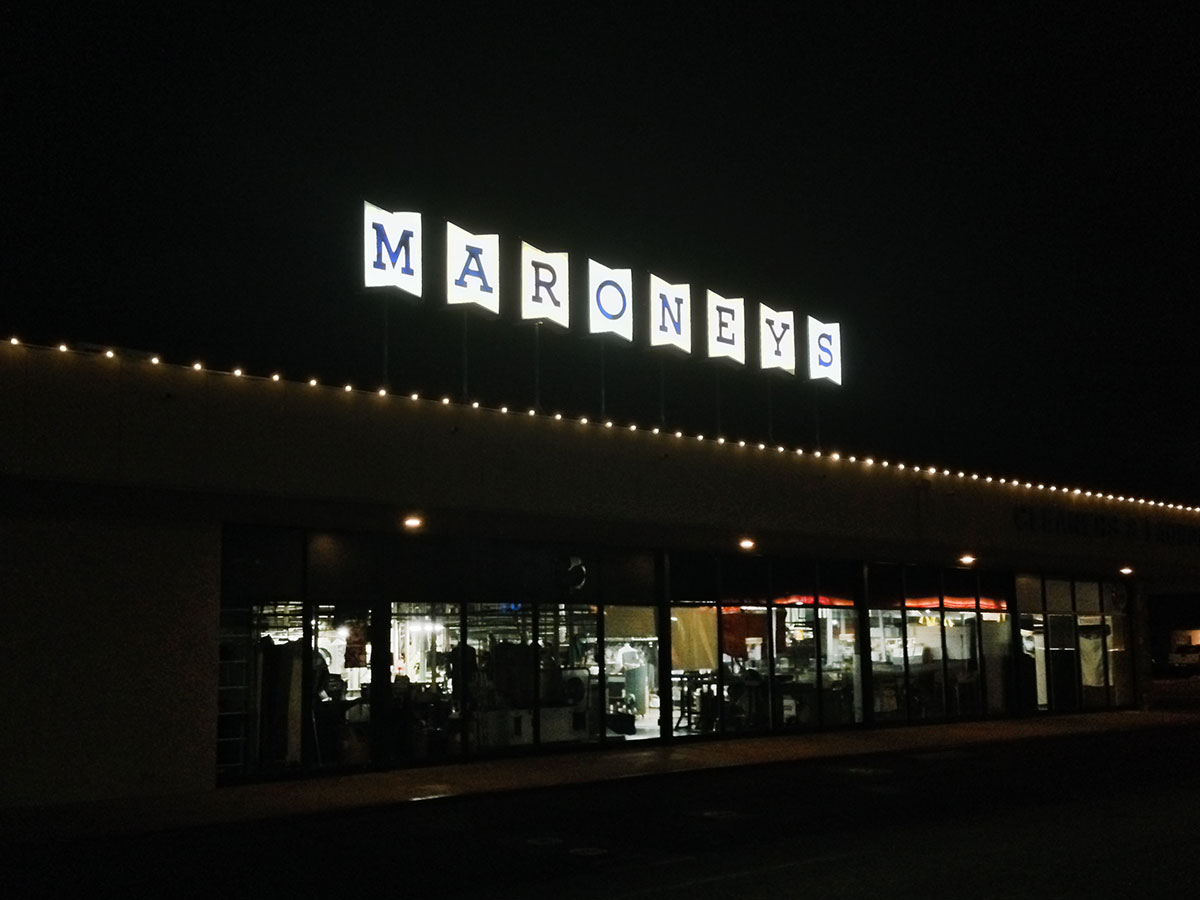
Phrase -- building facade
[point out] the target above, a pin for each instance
(212, 578)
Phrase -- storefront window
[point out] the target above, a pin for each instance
(570, 702)
(923, 643)
(1033, 669)
(501, 694)
(745, 648)
(837, 637)
(342, 683)
(996, 638)
(694, 687)
(430, 673)
(885, 602)
(276, 743)
(1120, 665)
(631, 702)
(795, 661)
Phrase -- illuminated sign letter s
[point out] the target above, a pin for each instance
(382, 243)
(825, 350)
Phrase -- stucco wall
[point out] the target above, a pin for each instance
(107, 654)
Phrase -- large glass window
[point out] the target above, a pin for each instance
(1061, 646)
(432, 670)
(1092, 631)
(923, 644)
(276, 743)
(631, 701)
(570, 706)
(694, 687)
(961, 641)
(996, 639)
(1032, 680)
(1120, 664)
(501, 695)
(745, 651)
(837, 627)
(885, 611)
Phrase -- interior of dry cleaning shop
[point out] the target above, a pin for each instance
(491, 647)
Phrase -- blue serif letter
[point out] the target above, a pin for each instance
(538, 269)
(382, 243)
(675, 317)
(600, 303)
(825, 350)
(474, 267)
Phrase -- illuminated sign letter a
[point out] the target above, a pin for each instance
(474, 267)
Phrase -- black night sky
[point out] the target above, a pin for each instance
(997, 203)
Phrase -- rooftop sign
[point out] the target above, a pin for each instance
(393, 244)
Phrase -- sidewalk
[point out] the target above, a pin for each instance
(341, 792)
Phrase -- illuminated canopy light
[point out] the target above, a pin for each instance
(312, 382)
(413, 521)
(62, 348)
(966, 559)
(1125, 570)
(533, 412)
(109, 354)
(383, 392)
(583, 421)
(348, 389)
(154, 360)
(197, 366)
(275, 377)
(13, 341)
(746, 543)
(237, 373)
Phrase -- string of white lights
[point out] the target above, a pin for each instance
(928, 472)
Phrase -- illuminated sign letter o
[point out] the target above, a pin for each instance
(600, 304)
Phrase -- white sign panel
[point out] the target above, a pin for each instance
(610, 300)
(726, 327)
(824, 351)
(472, 268)
(391, 249)
(777, 339)
(544, 286)
(670, 314)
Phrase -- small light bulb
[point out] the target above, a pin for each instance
(348, 389)
(275, 377)
(109, 354)
(196, 366)
(154, 360)
(475, 404)
(383, 392)
(14, 341)
(608, 424)
(237, 373)
(699, 437)
(679, 434)
(558, 417)
(633, 428)
(720, 440)
(835, 456)
(533, 412)
(62, 348)
(583, 420)
(312, 382)
(741, 443)
(504, 410)
(654, 431)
